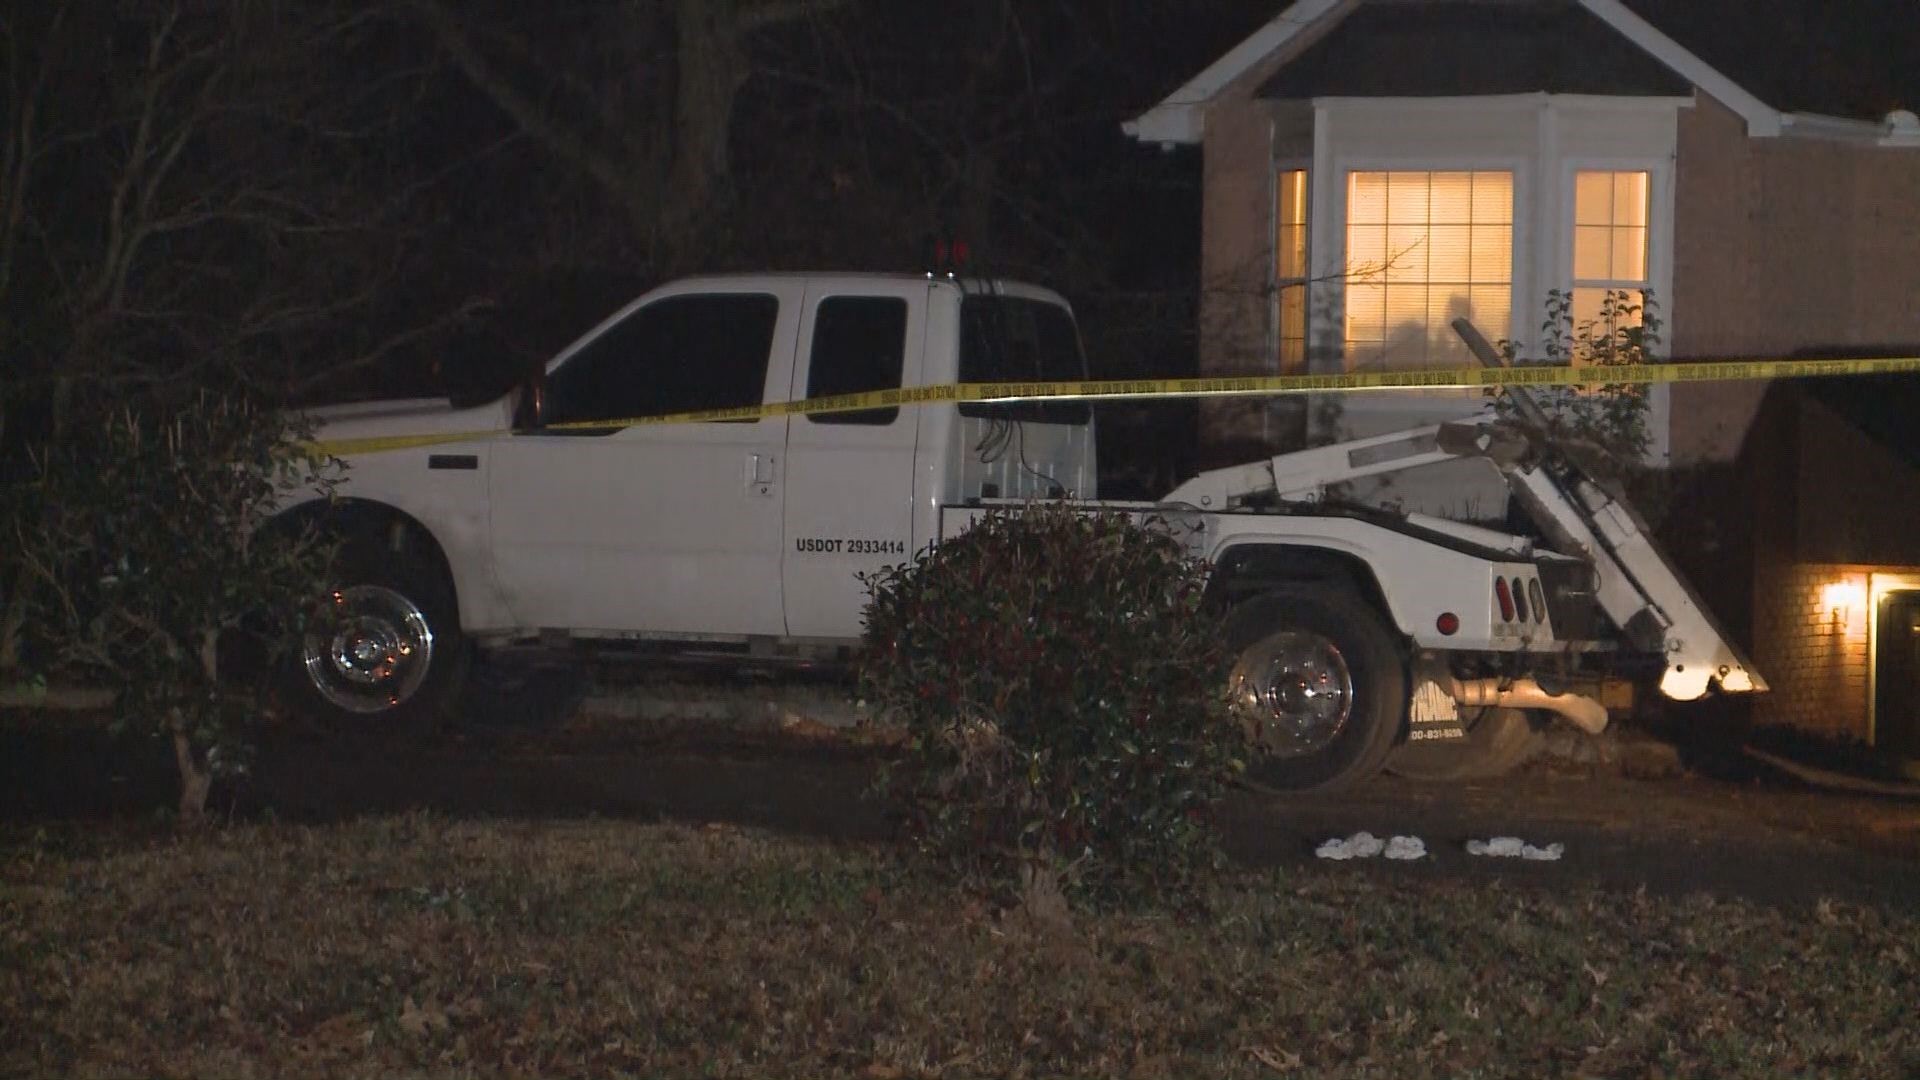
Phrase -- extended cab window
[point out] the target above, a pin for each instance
(859, 344)
(679, 354)
(1011, 339)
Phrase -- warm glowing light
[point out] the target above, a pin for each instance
(1424, 248)
(1845, 602)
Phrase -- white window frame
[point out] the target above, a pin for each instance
(1640, 282)
(1660, 244)
(1522, 171)
(1277, 166)
(1659, 226)
(1385, 276)
(1879, 586)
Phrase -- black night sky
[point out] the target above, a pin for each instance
(335, 199)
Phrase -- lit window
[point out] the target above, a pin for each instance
(1609, 244)
(1290, 266)
(1423, 249)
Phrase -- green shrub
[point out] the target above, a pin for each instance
(1061, 687)
(133, 560)
(1624, 332)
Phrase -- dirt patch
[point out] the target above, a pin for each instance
(1670, 837)
(759, 755)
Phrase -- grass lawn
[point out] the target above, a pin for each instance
(423, 946)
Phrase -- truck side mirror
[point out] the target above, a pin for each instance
(530, 401)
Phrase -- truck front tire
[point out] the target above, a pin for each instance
(383, 648)
(1319, 684)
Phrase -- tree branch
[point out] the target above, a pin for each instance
(467, 308)
(58, 698)
(486, 77)
(20, 152)
(774, 12)
(157, 177)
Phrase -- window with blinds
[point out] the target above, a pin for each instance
(1290, 267)
(1425, 248)
(1610, 218)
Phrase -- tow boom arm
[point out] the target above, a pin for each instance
(1639, 588)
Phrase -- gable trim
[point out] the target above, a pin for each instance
(1539, 99)
(1180, 117)
(1762, 119)
(1898, 130)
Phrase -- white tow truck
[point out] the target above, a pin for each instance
(1363, 638)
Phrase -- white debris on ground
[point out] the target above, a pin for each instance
(1365, 845)
(1361, 845)
(1406, 847)
(1512, 847)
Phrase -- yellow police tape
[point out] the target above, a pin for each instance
(1235, 386)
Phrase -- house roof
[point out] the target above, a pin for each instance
(1859, 59)
(1808, 67)
(1472, 47)
(1883, 407)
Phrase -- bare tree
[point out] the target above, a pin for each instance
(188, 205)
(215, 206)
(636, 98)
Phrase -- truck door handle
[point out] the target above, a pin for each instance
(760, 474)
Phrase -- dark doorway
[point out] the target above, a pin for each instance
(1896, 701)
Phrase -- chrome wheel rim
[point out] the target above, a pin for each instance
(369, 650)
(1292, 692)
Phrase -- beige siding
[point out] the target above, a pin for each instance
(1233, 265)
(1859, 500)
(1244, 140)
(1234, 244)
(1784, 246)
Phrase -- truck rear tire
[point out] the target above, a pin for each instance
(1498, 741)
(383, 650)
(1319, 684)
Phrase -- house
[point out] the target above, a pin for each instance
(1374, 168)
(1836, 561)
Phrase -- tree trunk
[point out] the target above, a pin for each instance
(196, 774)
(196, 779)
(976, 206)
(711, 68)
(13, 620)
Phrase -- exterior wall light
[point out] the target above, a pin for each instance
(1846, 603)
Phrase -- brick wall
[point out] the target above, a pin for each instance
(1828, 507)
(1832, 498)
(1815, 661)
